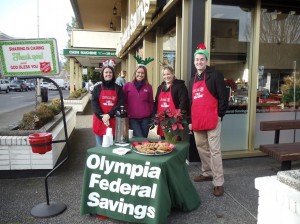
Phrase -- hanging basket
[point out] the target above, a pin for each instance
(40, 142)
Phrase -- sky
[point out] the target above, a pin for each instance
(24, 19)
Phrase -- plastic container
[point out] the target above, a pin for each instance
(122, 126)
(41, 142)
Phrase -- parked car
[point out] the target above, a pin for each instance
(4, 85)
(59, 82)
(18, 85)
(52, 87)
(31, 86)
(45, 84)
(67, 85)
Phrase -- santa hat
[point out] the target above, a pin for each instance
(201, 49)
(110, 63)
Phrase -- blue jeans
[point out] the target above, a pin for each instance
(99, 140)
(140, 127)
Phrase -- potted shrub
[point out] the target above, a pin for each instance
(78, 99)
(15, 143)
(43, 114)
(291, 91)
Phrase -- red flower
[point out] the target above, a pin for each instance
(230, 83)
(170, 120)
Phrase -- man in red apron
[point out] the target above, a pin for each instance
(209, 104)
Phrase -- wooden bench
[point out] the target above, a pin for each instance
(284, 152)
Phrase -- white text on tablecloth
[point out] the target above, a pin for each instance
(107, 167)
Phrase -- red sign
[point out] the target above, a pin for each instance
(45, 67)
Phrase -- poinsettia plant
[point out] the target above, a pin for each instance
(231, 83)
(171, 121)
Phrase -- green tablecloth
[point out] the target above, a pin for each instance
(137, 188)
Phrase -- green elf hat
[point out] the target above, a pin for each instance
(142, 62)
(201, 49)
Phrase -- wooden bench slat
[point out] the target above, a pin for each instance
(279, 125)
(283, 151)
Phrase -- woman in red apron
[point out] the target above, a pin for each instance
(107, 97)
(172, 94)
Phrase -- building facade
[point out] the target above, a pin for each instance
(255, 44)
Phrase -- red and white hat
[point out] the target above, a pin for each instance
(201, 49)
(111, 63)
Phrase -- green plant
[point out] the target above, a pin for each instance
(289, 95)
(44, 113)
(55, 106)
(77, 93)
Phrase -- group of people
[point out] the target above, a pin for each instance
(205, 108)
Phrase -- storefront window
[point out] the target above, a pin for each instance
(230, 43)
(278, 87)
(169, 47)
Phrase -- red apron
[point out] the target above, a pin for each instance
(107, 100)
(204, 109)
(165, 101)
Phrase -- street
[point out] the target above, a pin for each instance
(14, 104)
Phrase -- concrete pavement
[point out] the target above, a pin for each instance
(238, 205)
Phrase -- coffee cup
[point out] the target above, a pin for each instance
(130, 133)
(110, 136)
(105, 141)
(108, 131)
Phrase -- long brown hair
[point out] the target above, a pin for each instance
(145, 71)
(113, 71)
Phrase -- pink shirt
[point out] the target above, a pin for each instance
(139, 104)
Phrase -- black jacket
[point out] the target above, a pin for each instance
(179, 94)
(216, 86)
(95, 98)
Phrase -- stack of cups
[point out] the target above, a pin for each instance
(110, 136)
(130, 133)
(105, 141)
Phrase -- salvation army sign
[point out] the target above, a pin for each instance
(29, 57)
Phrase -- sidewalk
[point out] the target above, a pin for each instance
(237, 206)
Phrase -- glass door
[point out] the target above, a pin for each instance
(230, 43)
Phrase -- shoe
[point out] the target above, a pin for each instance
(101, 217)
(202, 178)
(218, 191)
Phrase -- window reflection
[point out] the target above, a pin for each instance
(169, 47)
(278, 57)
(230, 38)
(229, 54)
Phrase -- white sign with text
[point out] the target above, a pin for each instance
(29, 57)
